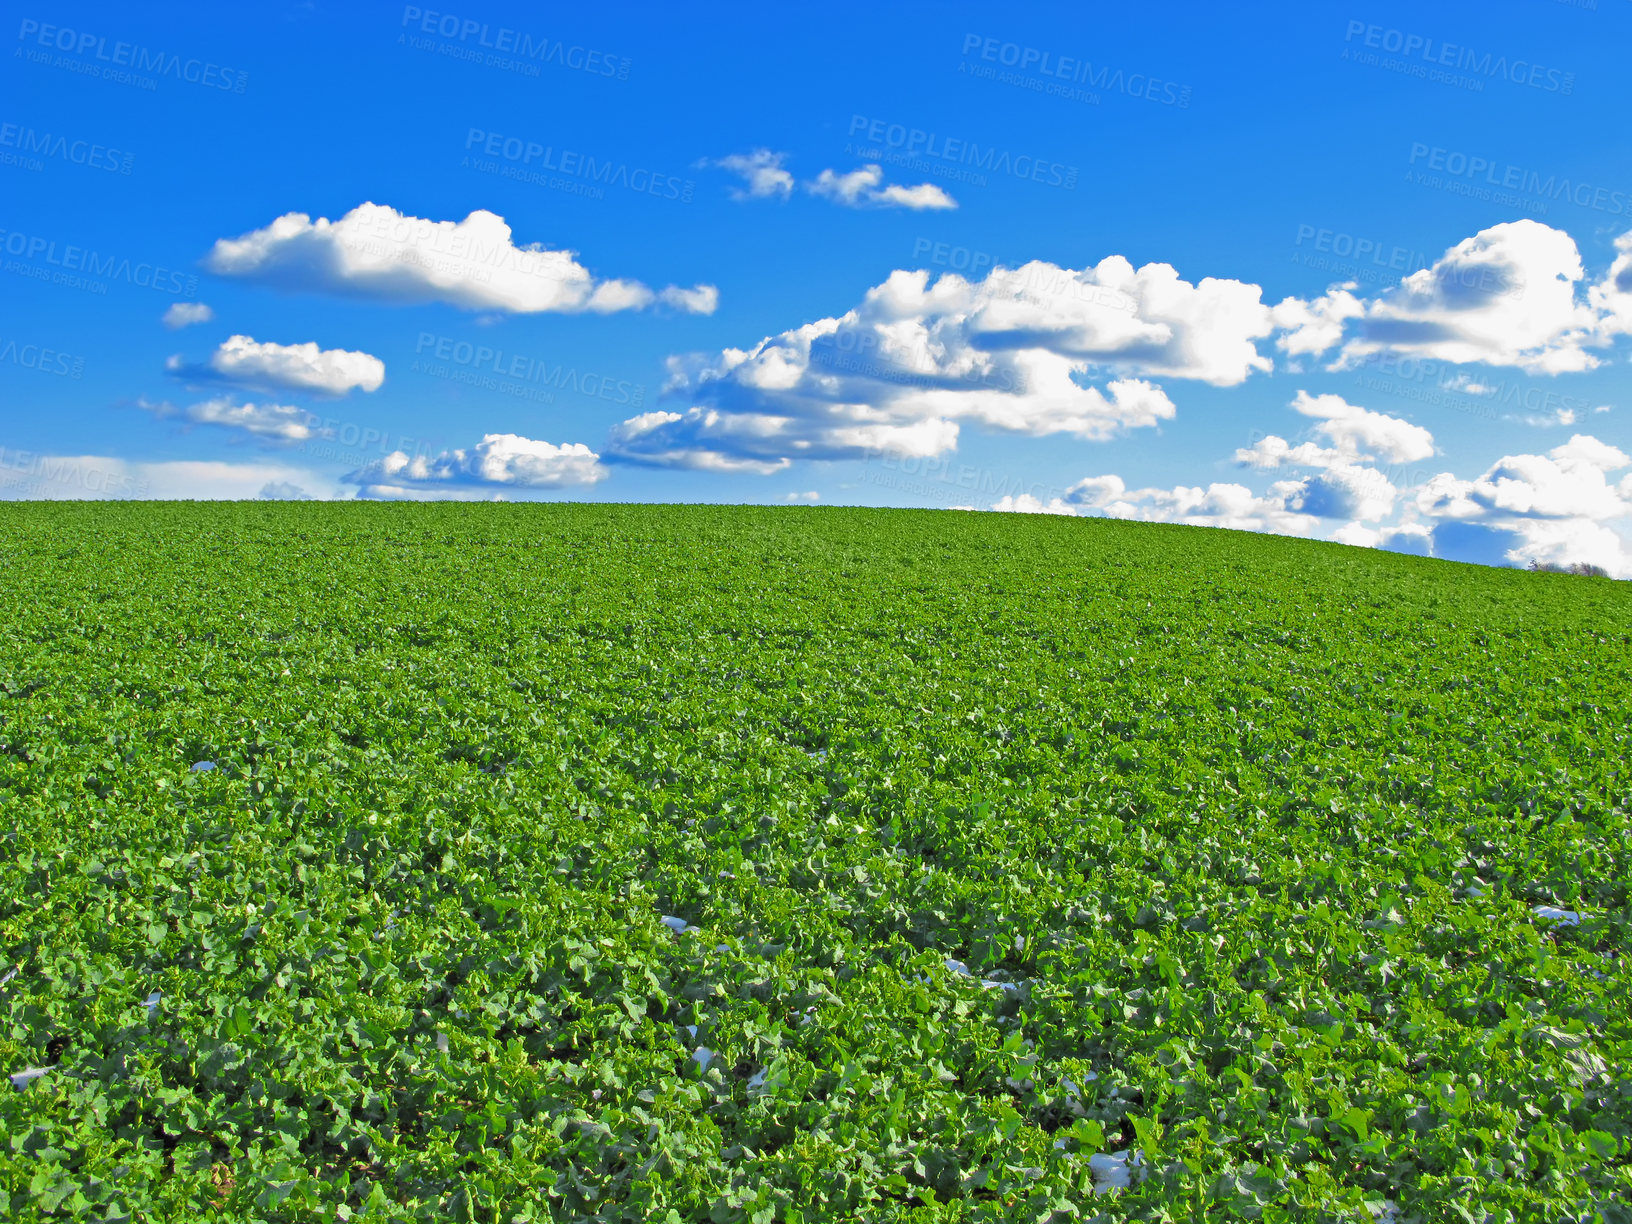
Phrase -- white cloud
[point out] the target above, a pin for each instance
(764, 177)
(497, 461)
(96, 477)
(277, 422)
(1566, 542)
(923, 197)
(1507, 296)
(1359, 433)
(809, 498)
(1560, 542)
(283, 490)
(1034, 350)
(1218, 505)
(1543, 420)
(287, 367)
(700, 299)
(1144, 321)
(1315, 326)
(1357, 535)
(760, 170)
(863, 188)
(697, 439)
(1558, 509)
(1345, 504)
(1445, 496)
(1553, 508)
(1027, 504)
(1413, 538)
(1612, 296)
(1275, 451)
(376, 252)
(185, 314)
(1342, 491)
(1569, 481)
(1097, 491)
(1584, 452)
(1467, 384)
(1357, 436)
(428, 493)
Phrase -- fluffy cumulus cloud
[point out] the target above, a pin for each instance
(1348, 486)
(1556, 509)
(1033, 350)
(266, 421)
(1569, 506)
(1508, 296)
(378, 253)
(1570, 481)
(1027, 503)
(1341, 491)
(1354, 435)
(1315, 326)
(497, 462)
(185, 314)
(764, 177)
(1612, 297)
(1413, 538)
(1217, 505)
(286, 367)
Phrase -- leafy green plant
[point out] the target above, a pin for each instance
(522, 863)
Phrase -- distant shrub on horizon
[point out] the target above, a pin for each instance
(1579, 568)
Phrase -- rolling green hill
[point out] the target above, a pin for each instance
(493, 862)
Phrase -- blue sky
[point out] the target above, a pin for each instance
(1357, 275)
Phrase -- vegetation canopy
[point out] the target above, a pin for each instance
(625, 863)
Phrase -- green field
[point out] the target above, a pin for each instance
(1002, 842)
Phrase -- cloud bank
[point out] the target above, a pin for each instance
(497, 462)
(1033, 350)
